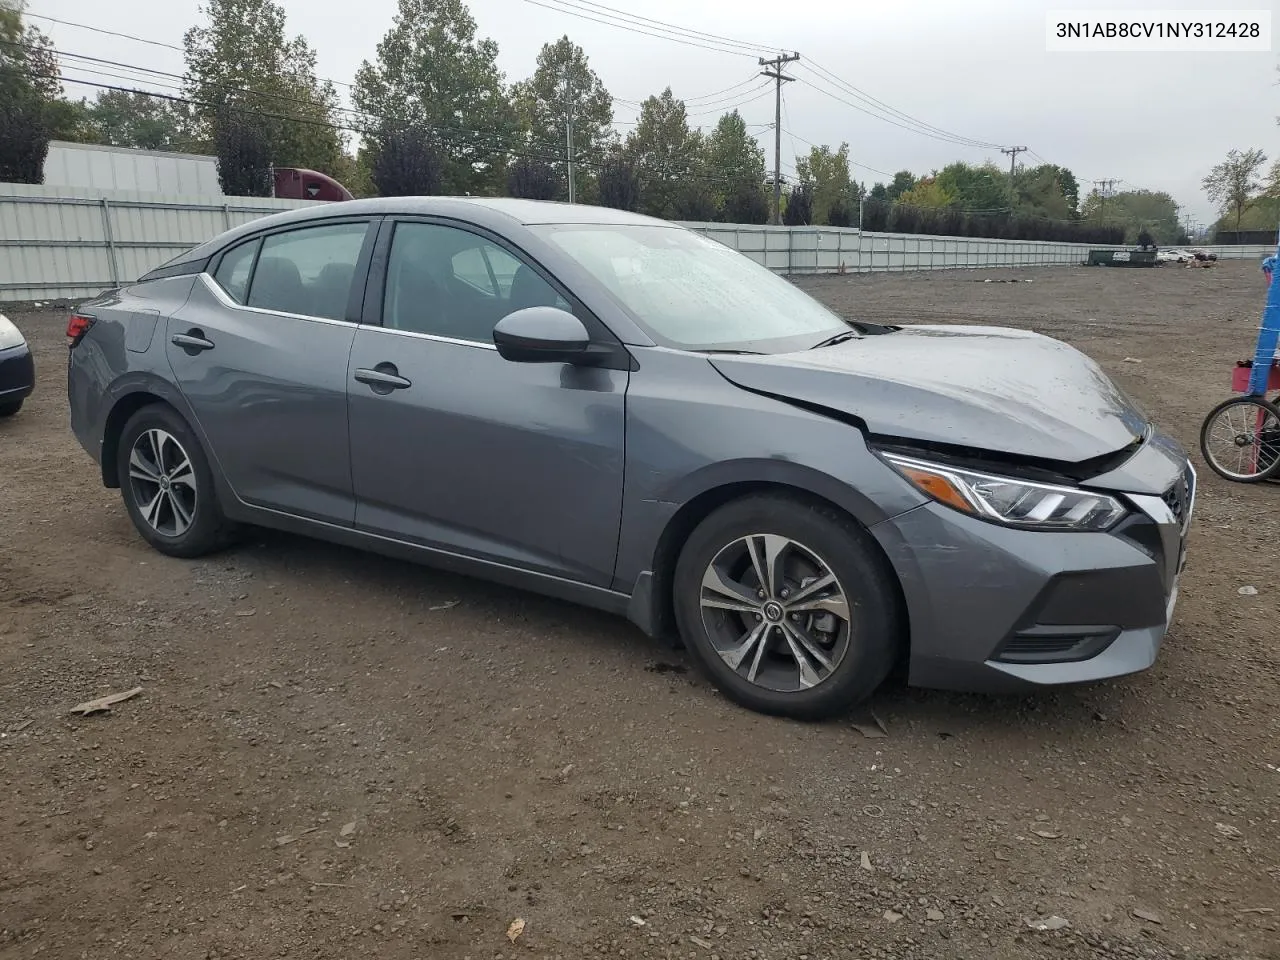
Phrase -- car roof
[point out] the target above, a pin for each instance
(491, 212)
(526, 212)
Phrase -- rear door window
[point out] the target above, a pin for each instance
(308, 271)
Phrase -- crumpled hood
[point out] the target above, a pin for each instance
(991, 388)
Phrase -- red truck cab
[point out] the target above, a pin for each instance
(296, 183)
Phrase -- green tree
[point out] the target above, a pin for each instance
(407, 161)
(1047, 191)
(433, 72)
(971, 187)
(1067, 184)
(927, 193)
(666, 153)
(1134, 211)
(879, 193)
(29, 90)
(619, 182)
(903, 181)
(1233, 184)
(534, 179)
(133, 119)
(564, 84)
(244, 154)
(746, 203)
(799, 206)
(828, 171)
(241, 59)
(734, 164)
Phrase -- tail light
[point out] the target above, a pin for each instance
(77, 327)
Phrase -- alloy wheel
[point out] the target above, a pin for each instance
(775, 612)
(163, 482)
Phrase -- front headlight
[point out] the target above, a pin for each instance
(10, 336)
(1012, 502)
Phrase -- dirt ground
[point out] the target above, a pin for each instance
(337, 755)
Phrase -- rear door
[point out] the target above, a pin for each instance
(455, 447)
(260, 352)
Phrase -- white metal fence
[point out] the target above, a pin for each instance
(57, 242)
(794, 250)
(63, 242)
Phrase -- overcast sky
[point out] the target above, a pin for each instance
(976, 68)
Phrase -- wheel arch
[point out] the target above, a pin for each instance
(129, 395)
(652, 602)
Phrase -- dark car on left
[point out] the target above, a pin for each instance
(17, 370)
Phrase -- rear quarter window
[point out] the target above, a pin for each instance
(233, 272)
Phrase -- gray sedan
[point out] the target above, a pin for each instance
(617, 411)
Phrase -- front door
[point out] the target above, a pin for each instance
(456, 448)
(260, 352)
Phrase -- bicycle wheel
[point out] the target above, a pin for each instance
(1240, 439)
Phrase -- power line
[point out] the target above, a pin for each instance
(710, 101)
(759, 94)
(795, 151)
(711, 96)
(633, 28)
(893, 122)
(665, 30)
(150, 73)
(863, 166)
(609, 16)
(128, 73)
(664, 25)
(129, 36)
(103, 30)
(446, 135)
(846, 87)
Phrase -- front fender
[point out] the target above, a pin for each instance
(777, 471)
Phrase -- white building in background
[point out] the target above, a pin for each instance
(88, 166)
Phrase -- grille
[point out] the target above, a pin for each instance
(1056, 644)
(1043, 646)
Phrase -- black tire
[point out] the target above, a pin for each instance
(873, 635)
(9, 408)
(206, 530)
(1250, 407)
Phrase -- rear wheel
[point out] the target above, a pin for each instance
(10, 407)
(1240, 439)
(787, 606)
(167, 486)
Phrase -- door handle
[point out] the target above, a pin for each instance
(193, 341)
(383, 378)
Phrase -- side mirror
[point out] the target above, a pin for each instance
(541, 335)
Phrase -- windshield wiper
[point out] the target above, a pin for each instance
(754, 353)
(838, 338)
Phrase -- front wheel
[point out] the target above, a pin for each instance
(10, 407)
(1240, 439)
(787, 606)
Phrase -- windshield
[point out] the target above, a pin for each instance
(691, 292)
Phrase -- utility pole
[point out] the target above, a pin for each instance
(776, 74)
(1013, 157)
(1104, 188)
(568, 129)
